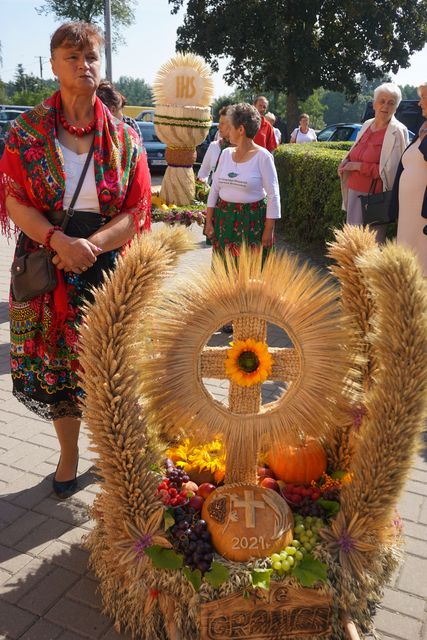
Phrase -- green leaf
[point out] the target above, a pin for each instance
(338, 475)
(169, 519)
(193, 577)
(164, 558)
(331, 506)
(309, 571)
(217, 575)
(260, 578)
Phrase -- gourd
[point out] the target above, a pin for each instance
(299, 464)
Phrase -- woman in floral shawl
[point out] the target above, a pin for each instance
(43, 160)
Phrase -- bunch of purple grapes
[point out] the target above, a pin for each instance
(176, 476)
(192, 538)
(182, 528)
(309, 508)
(199, 553)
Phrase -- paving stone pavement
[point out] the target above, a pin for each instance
(47, 591)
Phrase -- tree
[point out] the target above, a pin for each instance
(297, 46)
(135, 90)
(409, 92)
(122, 13)
(26, 88)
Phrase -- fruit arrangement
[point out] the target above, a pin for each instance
(312, 504)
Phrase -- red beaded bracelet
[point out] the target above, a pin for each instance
(49, 235)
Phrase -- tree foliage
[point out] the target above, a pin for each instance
(26, 88)
(136, 90)
(122, 13)
(297, 46)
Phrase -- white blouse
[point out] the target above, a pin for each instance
(88, 198)
(300, 137)
(248, 181)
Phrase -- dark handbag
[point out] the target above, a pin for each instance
(33, 273)
(376, 207)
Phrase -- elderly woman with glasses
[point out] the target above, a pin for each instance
(371, 164)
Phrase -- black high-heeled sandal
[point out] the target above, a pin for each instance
(66, 488)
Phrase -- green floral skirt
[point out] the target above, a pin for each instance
(237, 223)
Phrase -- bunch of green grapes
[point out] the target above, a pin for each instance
(307, 531)
(305, 538)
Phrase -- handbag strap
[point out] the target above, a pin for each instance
(373, 186)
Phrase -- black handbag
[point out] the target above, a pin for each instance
(376, 207)
(33, 272)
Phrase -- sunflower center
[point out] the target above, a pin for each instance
(248, 361)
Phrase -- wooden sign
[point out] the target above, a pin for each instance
(246, 521)
(280, 613)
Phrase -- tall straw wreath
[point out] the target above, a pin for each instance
(350, 378)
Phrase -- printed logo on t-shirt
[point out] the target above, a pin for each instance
(232, 174)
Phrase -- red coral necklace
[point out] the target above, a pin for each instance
(77, 131)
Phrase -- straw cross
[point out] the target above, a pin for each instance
(247, 400)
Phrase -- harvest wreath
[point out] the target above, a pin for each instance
(291, 533)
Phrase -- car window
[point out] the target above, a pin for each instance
(148, 133)
(7, 116)
(325, 134)
(341, 134)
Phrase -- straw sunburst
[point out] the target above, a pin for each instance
(282, 292)
(187, 72)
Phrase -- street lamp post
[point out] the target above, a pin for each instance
(107, 30)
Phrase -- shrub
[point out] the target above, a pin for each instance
(310, 190)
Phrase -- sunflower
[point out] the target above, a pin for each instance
(248, 362)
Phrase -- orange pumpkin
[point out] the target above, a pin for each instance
(300, 464)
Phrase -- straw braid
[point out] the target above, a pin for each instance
(111, 341)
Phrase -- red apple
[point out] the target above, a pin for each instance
(196, 502)
(205, 489)
(270, 483)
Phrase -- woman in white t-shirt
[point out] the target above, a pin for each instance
(244, 199)
(303, 133)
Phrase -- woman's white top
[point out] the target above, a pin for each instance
(209, 161)
(299, 136)
(87, 199)
(248, 181)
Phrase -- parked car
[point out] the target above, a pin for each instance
(341, 132)
(147, 115)
(7, 116)
(409, 112)
(203, 146)
(154, 147)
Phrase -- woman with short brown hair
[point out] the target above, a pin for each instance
(45, 155)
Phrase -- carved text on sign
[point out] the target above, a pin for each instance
(246, 521)
(283, 612)
(185, 87)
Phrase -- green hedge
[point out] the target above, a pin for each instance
(310, 190)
